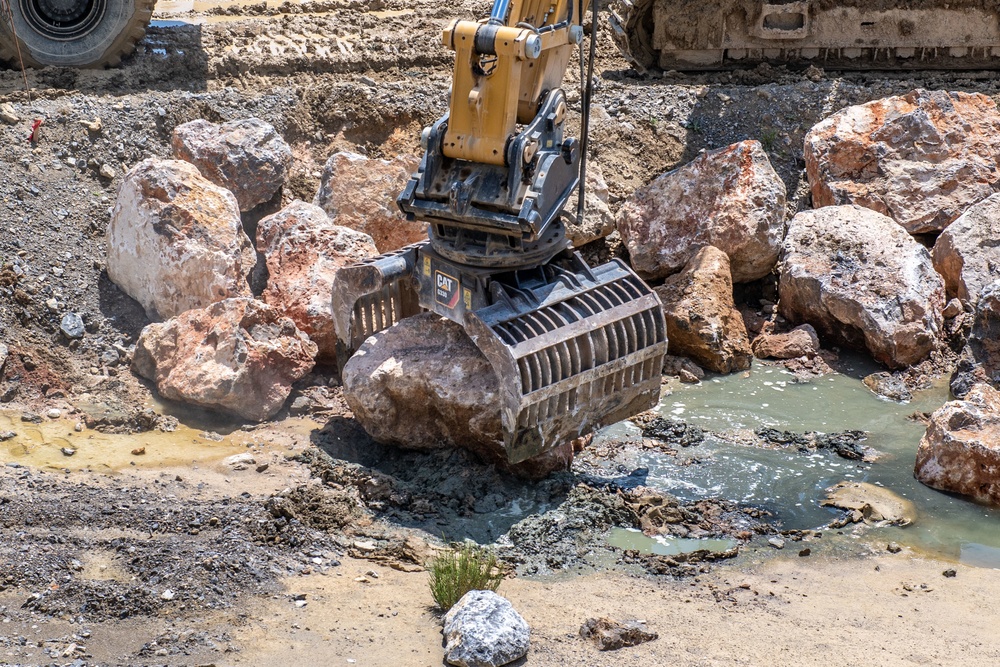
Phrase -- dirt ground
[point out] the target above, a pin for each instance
(176, 557)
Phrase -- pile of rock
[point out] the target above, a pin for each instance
(850, 272)
(177, 244)
(854, 271)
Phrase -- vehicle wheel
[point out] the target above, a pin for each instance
(74, 33)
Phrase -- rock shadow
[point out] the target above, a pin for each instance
(120, 310)
(447, 493)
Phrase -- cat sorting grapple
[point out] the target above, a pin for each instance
(574, 347)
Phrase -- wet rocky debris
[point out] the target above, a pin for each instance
(869, 504)
(572, 533)
(889, 385)
(114, 550)
(673, 432)
(845, 444)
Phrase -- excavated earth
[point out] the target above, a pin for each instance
(169, 563)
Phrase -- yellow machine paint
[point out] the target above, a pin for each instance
(493, 92)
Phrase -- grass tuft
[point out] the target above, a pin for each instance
(463, 568)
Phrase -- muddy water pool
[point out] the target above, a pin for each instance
(792, 484)
(47, 445)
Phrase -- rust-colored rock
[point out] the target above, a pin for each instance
(239, 356)
(860, 279)
(175, 240)
(802, 341)
(423, 384)
(920, 159)
(729, 198)
(360, 193)
(967, 254)
(960, 451)
(702, 320)
(247, 156)
(303, 250)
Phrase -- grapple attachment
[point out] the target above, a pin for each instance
(572, 356)
(574, 348)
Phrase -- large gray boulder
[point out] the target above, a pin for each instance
(967, 254)
(860, 279)
(303, 250)
(247, 157)
(484, 630)
(423, 384)
(703, 323)
(960, 451)
(239, 356)
(920, 159)
(730, 198)
(175, 240)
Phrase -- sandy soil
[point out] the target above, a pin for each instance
(853, 610)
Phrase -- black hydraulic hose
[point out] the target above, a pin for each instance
(588, 91)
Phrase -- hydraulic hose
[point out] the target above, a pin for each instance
(588, 91)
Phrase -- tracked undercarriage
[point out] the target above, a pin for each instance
(847, 34)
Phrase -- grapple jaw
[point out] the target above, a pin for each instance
(573, 348)
(371, 296)
(572, 356)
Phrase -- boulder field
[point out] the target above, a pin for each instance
(713, 236)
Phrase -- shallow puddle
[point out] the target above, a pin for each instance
(631, 538)
(47, 445)
(790, 483)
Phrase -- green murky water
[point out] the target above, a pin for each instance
(790, 483)
(631, 538)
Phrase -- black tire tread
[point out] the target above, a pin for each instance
(122, 45)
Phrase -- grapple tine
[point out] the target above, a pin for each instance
(373, 295)
(615, 325)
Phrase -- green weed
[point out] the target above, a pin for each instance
(769, 139)
(461, 569)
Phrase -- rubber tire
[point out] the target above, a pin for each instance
(115, 36)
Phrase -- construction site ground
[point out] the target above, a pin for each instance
(363, 76)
